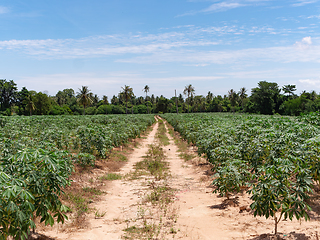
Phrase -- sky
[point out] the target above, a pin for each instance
(214, 45)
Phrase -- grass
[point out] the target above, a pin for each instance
(182, 145)
(147, 231)
(118, 156)
(173, 231)
(155, 220)
(93, 190)
(99, 214)
(161, 195)
(81, 198)
(153, 163)
(187, 157)
(162, 133)
(80, 204)
(110, 177)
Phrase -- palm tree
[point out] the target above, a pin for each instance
(289, 89)
(30, 103)
(95, 99)
(232, 95)
(243, 95)
(84, 97)
(188, 90)
(209, 97)
(127, 94)
(146, 90)
(105, 101)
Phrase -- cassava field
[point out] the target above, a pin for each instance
(37, 157)
(186, 176)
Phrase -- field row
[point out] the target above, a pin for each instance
(95, 135)
(37, 156)
(276, 159)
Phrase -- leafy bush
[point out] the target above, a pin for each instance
(102, 109)
(31, 182)
(91, 110)
(86, 159)
(230, 177)
(282, 188)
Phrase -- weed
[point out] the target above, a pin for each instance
(110, 177)
(162, 133)
(147, 231)
(136, 174)
(187, 157)
(80, 203)
(161, 195)
(153, 163)
(182, 146)
(99, 214)
(154, 220)
(173, 231)
(118, 157)
(93, 191)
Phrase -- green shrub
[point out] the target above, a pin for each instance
(30, 184)
(86, 159)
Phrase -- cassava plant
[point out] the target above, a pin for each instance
(281, 191)
(30, 184)
(230, 177)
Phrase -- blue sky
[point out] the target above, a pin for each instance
(213, 45)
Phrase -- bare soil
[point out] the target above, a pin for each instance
(200, 214)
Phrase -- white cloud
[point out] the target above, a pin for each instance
(223, 6)
(93, 47)
(102, 45)
(193, 47)
(301, 51)
(314, 16)
(300, 3)
(3, 10)
(307, 40)
(304, 43)
(311, 82)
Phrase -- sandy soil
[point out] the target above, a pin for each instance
(200, 213)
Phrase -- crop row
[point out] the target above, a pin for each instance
(275, 158)
(96, 135)
(36, 162)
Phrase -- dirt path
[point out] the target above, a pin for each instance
(119, 204)
(200, 213)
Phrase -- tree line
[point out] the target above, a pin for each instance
(267, 98)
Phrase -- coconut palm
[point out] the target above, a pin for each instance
(232, 95)
(105, 101)
(188, 90)
(289, 89)
(243, 95)
(209, 97)
(95, 99)
(30, 103)
(84, 97)
(146, 90)
(127, 94)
